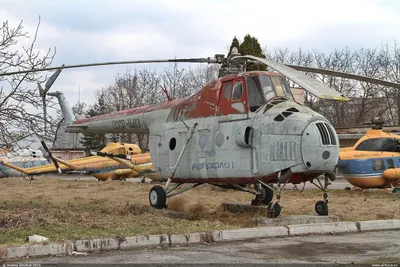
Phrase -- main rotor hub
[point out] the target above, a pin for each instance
(230, 66)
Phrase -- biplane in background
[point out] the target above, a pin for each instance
(373, 161)
(115, 161)
(243, 128)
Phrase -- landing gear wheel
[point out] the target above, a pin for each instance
(274, 210)
(266, 194)
(157, 197)
(396, 190)
(321, 207)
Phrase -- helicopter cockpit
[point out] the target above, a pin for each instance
(251, 90)
(379, 144)
(262, 88)
(120, 148)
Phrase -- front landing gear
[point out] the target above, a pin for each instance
(158, 197)
(264, 196)
(321, 208)
(274, 209)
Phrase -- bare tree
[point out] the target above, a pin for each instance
(141, 87)
(132, 89)
(19, 101)
(198, 77)
(368, 100)
(389, 60)
(173, 78)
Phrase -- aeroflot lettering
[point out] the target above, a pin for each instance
(122, 124)
(213, 165)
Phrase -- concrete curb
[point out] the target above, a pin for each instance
(250, 233)
(93, 245)
(34, 250)
(322, 228)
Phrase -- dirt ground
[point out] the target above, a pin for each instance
(75, 209)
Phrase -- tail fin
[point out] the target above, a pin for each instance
(66, 110)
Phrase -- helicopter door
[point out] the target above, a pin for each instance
(232, 99)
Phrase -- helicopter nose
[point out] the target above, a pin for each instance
(320, 147)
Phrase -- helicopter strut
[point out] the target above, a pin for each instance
(158, 195)
(321, 207)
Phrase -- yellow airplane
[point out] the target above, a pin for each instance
(115, 161)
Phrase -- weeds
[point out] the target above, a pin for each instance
(67, 210)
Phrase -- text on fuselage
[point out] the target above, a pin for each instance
(213, 165)
(122, 124)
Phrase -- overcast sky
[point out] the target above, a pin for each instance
(102, 30)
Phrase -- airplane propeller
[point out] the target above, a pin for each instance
(51, 156)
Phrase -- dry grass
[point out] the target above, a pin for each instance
(65, 210)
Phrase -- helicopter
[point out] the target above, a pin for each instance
(373, 161)
(115, 161)
(243, 128)
(25, 158)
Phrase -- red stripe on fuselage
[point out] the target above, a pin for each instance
(203, 103)
(128, 112)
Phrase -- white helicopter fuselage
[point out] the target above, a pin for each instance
(230, 148)
(241, 148)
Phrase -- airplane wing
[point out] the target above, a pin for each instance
(313, 86)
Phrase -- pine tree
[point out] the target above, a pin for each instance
(251, 46)
(235, 43)
(95, 141)
(224, 66)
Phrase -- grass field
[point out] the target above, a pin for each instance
(68, 210)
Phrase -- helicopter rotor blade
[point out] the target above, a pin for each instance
(52, 79)
(176, 60)
(313, 86)
(346, 75)
(110, 155)
(51, 156)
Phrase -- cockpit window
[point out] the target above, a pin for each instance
(281, 87)
(286, 88)
(227, 91)
(256, 98)
(278, 86)
(237, 91)
(267, 87)
(379, 144)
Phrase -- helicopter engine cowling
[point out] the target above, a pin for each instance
(288, 136)
(392, 174)
(243, 136)
(321, 155)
